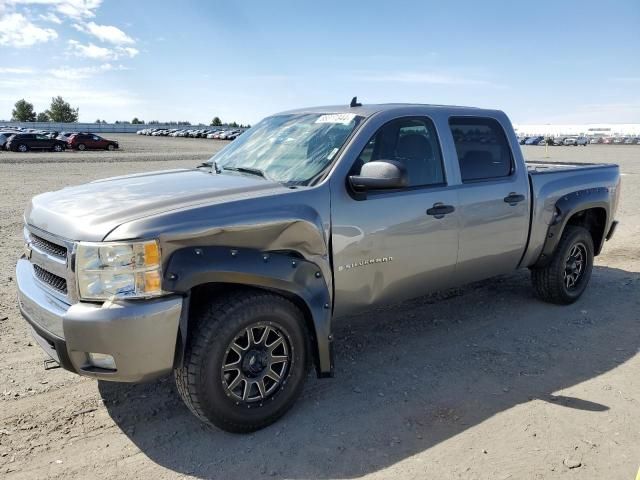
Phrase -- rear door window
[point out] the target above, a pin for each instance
(482, 148)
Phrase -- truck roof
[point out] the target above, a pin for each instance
(366, 110)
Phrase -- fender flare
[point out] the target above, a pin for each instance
(567, 206)
(278, 271)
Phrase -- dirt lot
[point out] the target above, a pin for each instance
(480, 382)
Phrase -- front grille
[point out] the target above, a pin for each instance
(48, 247)
(57, 283)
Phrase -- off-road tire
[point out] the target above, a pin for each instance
(549, 282)
(200, 380)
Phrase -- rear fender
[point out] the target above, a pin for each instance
(566, 207)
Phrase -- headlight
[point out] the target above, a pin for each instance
(118, 270)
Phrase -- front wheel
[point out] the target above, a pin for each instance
(566, 276)
(246, 361)
(111, 147)
(82, 146)
(23, 148)
(57, 147)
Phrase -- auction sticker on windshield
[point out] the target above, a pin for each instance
(343, 118)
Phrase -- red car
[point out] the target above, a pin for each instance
(86, 141)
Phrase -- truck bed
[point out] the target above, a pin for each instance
(538, 167)
(549, 181)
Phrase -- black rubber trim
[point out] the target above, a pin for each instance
(566, 207)
(278, 271)
(612, 230)
(59, 345)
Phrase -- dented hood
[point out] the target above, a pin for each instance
(89, 212)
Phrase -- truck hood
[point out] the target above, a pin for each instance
(89, 212)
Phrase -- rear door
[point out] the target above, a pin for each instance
(493, 199)
(29, 139)
(393, 244)
(85, 140)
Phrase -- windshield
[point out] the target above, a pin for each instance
(292, 148)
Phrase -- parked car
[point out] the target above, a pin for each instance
(534, 140)
(231, 278)
(575, 141)
(90, 141)
(630, 141)
(4, 137)
(595, 140)
(23, 142)
(64, 136)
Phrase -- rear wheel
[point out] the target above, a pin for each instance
(82, 146)
(57, 147)
(246, 361)
(566, 276)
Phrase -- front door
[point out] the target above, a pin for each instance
(394, 245)
(42, 142)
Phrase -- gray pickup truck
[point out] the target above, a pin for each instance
(230, 273)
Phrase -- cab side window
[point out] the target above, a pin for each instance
(482, 148)
(412, 142)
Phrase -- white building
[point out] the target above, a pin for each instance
(590, 129)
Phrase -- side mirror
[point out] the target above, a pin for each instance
(379, 175)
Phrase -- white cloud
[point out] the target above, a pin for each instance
(17, 31)
(76, 9)
(50, 17)
(80, 73)
(106, 33)
(132, 52)
(95, 52)
(89, 51)
(17, 70)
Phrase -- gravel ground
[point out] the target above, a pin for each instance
(480, 382)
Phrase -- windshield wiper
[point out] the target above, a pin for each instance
(212, 165)
(253, 171)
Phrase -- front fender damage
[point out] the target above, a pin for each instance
(280, 271)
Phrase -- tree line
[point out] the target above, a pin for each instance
(58, 111)
(62, 112)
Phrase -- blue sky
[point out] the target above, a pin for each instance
(541, 62)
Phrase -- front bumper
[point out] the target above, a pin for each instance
(140, 335)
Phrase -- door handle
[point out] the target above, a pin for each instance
(513, 198)
(439, 210)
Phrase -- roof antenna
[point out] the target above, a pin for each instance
(354, 102)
